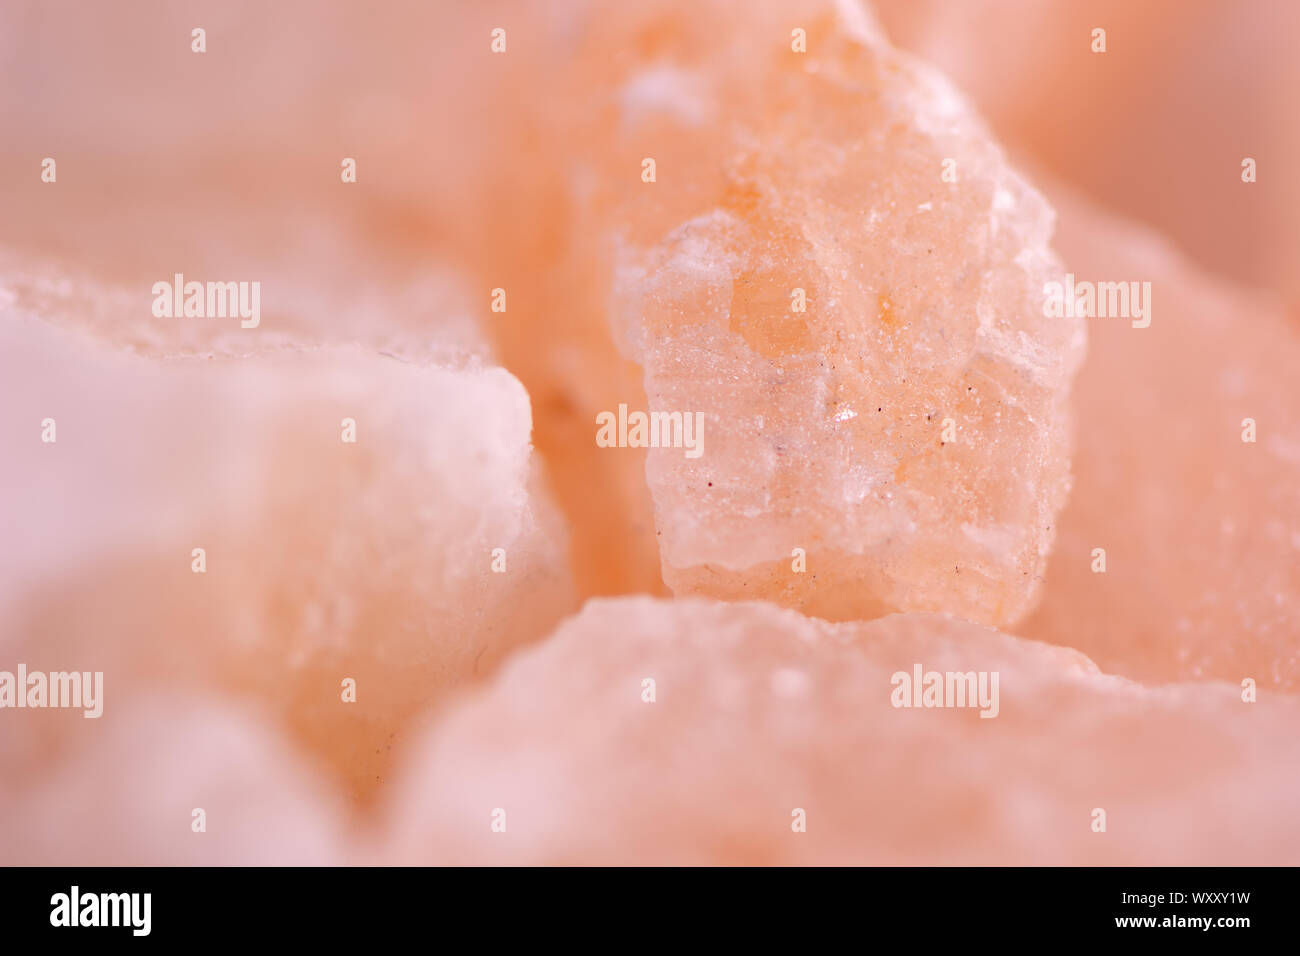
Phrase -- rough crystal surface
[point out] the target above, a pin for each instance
(759, 711)
(324, 559)
(849, 172)
(865, 338)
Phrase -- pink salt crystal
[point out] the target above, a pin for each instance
(503, 205)
(884, 401)
(128, 792)
(1200, 528)
(408, 561)
(758, 713)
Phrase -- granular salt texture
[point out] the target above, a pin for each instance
(1199, 524)
(408, 561)
(865, 340)
(128, 796)
(758, 712)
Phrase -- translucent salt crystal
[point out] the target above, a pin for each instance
(845, 235)
(298, 527)
(698, 732)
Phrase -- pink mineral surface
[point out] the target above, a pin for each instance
(1118, 124)
(856, 312)
(145, 549)
(170, 781)
(1186, 475)
(780, 216)
(759, 712)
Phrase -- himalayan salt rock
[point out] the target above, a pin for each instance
(759, 712)
(505, 208)
(1117, 125)
(127, 795)
(885, 402)
(408, 561)
(1200, 527)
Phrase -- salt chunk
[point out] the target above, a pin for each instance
(212, 524)
(714, 768)
(775, 298)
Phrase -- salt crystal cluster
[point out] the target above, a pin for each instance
(301, 552)
(856, 307)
